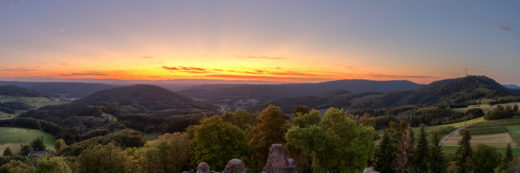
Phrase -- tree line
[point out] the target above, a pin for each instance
(333, 141)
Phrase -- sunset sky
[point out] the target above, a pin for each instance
(264, 40)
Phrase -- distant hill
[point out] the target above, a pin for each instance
(15, 91)
(458, 91)
(449, 92)
(511, 86)
(144, 98)
(61, 89)
(324, 100)
(15, 100)
(239, 95)
(132, 106)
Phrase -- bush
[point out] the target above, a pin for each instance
(500, 112)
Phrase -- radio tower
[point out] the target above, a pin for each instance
(466, 71)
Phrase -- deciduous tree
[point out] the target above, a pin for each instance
(216, 142)
(270, 129)
(337, 144)
(52, 165)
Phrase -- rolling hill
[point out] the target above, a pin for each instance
(15, 100)
(324, 100)
(241, 95)
(15, 91)
(64, 90)
(449, 92)
(144, 98)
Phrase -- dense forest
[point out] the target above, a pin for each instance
(317, 142)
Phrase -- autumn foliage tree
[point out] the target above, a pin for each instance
(404, 152)
(270, 129)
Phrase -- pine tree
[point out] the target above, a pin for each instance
(421, 153)
(437, 160)
(508, 158)
(385, 154)
(464, 153)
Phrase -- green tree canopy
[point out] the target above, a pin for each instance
(486, 159)
(8, 152)
(337, 143)
(308, 119)
(37, 144)
(216, 142)
(52, 165)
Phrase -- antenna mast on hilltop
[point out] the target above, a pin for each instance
(466, 71)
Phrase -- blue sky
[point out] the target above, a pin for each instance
(292, 40)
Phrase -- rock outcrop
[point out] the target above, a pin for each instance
(235, 166)
(203, 168)
(277, 161)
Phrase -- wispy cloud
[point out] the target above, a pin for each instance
(501, 27)
(20, 69)
(17, 1)
(266, 78)
(186, 69)
(263, 57)
(85, 74)
(148, 57)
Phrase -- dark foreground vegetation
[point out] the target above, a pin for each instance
(335, 141)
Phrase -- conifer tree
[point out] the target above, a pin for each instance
(464, 153)
(437, 160)
(385, 155)
(421, 153)
(508, 157)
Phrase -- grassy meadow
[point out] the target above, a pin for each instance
(12, 137)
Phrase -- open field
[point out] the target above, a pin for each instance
(453, 149)
(496, 133)
(496, 140)
(514, 132)
(13, 137)
(152, 136)
(32, 101)
(442, 133)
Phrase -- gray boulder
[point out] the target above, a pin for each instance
(235, 166)
(277, 161)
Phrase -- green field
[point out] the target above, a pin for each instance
(13, 136)
(511, 125)
(32, 101)
(442, 133)
(453, 149)
(152, 136)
